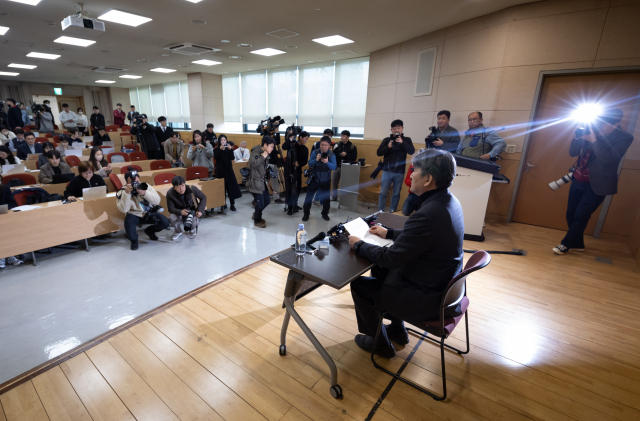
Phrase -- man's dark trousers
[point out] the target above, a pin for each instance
(262, 201)
(323, 190)
(131, 223)
(583, 202)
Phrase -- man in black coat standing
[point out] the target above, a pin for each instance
(163, 132)
(223, 155)
(97, 120)
(150, 142)
(14, 115)
(345, 151)
(414, 271)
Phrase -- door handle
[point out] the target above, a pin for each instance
(529, 166)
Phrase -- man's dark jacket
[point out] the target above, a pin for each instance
(395, 158)
(607, 152)
(148, 136)
(97, 120)
(23, 149)
(176, 203)
(162, 136)
(349, 148)
(15, 118)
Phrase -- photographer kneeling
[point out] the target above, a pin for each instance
(320, 165)
(186, 205)
(141, 203)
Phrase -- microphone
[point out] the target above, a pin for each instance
(318, 237)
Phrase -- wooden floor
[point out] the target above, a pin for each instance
(552, 338)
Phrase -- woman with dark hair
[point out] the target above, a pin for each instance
(100, 165)
(7, 157)
(42, 159)
(86, 179)
(223, 155)
(201, 152)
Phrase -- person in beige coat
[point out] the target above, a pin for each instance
(173, 150)
(53, 167)
(137, 206)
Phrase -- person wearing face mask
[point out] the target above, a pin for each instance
(223, 155)
(201, 152)
(173, 150)
(85, 180)
(242, 153)
(100, 165)
(7, 158)
(82, 123)
(54, 166)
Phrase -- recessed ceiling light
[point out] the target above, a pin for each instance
(162, 70)
(22, 66)
(268, 52)
(333, 40)
(130, 77)
(105, 81)
(206, 62)
(29, 2)
(309, 61)
(249, 70)
(116, 16)
(244, 45)
(43, 55)
(8, 74)
(3, 30)
(74, 41)
(194, 1)
(291, 46)
(235, 57)
(198, 22)
(225, 40)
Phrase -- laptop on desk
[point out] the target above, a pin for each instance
(13, 169)
(62, 178)
(94, 193)
(4, 209)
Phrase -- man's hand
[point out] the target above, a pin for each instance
(353, 240)
(486, 157)
(391, 144)
(438, 142)
(297, 164)
(319, 157)
(591, 137)
(173, 161)
(71, 198)
(325, 161)
(379, 231)
(193, 148)
(343, 154)
(184, 212)
(127, 188)
(399, 140)
(199, 214)
(265, 154)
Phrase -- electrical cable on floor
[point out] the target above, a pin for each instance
(515, 252)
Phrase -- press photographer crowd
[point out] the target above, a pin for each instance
(271, 177)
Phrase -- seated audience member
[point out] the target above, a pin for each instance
(16, 141)
(100, 165)
(182, 199)
(29, 146)
(242, 153)
(173, 150)
(6, 195)
(7, 158)
(412, 273)
(100, 137)
(479, 141)
(136, 204)
(74, 135)
(412, 202)
(86, 179)
(54, 166)
(6, 135)
(201, 152)
(42, 159)
(64, 145)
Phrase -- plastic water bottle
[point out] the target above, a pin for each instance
(301, 240)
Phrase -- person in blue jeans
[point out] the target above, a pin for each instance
(395, 149)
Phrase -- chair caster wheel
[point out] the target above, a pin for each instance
(336, 391)
(283, 350)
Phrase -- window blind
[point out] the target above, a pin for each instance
(316, 92)
(254, 97)
(133, 97)
(144, 95)
(231, 97)
(282, 93)
(157, 101)
(350, 92)
(174, 105)
(184, 96)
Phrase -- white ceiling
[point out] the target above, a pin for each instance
(372, 24)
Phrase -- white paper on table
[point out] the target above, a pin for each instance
(74, 152)
(25, 208)
(360, 229)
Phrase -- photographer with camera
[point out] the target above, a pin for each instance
(320, 166)
(480, 141)
(209, 135)
(258, 181)
(141, 203)
(186, 206)
(173, 150)
(344, 151)
(443, 136)
(118, 115)
(599, 149)
(223, 155)
(201, 152)
(297, 157)
(69, 119)
(97, 120)
(394, 149)
(44, 120)
(14, 115)
(150, 144)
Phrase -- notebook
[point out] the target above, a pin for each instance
(94, 193)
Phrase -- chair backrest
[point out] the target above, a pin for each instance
(21, 197)
(125, 169)
(137, 156)
(55, 127)
(32, 127)
(197, 172)
(117, 184)
(48, 135)
(132, 146)
(111, 128)
(163, 178)
(28, 179)
(125, 157)
(456, 289)
(41, 140)
(125, 128)
(56, 139)
(160, 164)
(73, 160)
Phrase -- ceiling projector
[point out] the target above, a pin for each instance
(82, 25)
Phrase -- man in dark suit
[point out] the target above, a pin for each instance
(14, 116)
(596, 176)
(29, 146)
(97, 120)
(413, 272)
(163, 132)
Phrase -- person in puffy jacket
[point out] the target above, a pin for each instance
(321, 163)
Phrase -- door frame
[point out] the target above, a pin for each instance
(532, 118)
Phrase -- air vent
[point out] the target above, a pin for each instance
(283, 33)
(109, 70)
(344, 53)
(189, 49)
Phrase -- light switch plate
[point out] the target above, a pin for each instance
(511, 148)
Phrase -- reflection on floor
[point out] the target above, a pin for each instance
(74, 296)
(552, 338)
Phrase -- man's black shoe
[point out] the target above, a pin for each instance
(366, 343)
(305, 217)
(134, 246)
(290, 211)
(399, 336)
(297, 209)
(325, 217)
(152, 235)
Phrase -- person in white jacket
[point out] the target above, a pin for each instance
(242, 153)
(82, 123)
(68, 118)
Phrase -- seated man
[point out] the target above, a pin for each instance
(101, 137)
(479, 141)
(29, 146)
(413, 272)
(182, 199)
(17, 140)
(75, 135)
(242, 153)
(53, 167)
(137, 204)
(173, 150)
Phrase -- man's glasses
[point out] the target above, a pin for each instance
(471, 120)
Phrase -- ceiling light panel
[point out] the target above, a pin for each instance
(162, 70)
(268, 52)
(3, 30)
(74, 41)
(130, 77)
(124, 18)
(8, 74)
(333, 40)
(105, 81)
(43, 55)
(29, 2)
(22, 66)
(206, 62)
(194, 1)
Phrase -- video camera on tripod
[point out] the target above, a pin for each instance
(270, 126)
(292, 131)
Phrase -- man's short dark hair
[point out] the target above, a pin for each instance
(304, 134)
(11, 100)
(46, 101)
(346, 133)
(209, 126)
(27, 134)
(128, 177)
(65, 105)
(101, 128)
(18, 131)
(63, 138)
(72, 130)
(328, 132)
(176, 134)
(612, 116)
(95, 107)
(161, 119)
(477, 112)
(438, 163)
(326, 139)
(53, 153)
(177, 181)
(133, 106)
(396, 123)
(445, 112)
(268, 140)
(118, 104)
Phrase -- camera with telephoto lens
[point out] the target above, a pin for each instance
(270, 126)
(292, 131)
(188, 222)
(433, 136)
(555, 185)
(323, 155)
(137, 119)
(309, 174)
